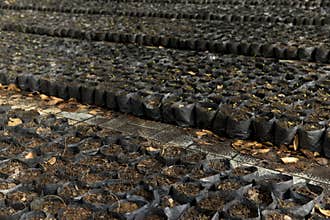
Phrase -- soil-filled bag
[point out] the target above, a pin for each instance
(242, 209)
(295, 207)
(136, 102)
(186, 192)
(152, 106)
(220, 120)
(22, 81)
(220, 166)
(99, 199)
(74, 90)
(99, 96)
(168, 114)
(239, 124)
(193, 213)
(32, 215)
(245, 173)
(192, 157)
(285, 130)
(263, 127)
(123, 101)
(326, 143)
(44, 86)
(262, 196)
(277, 183)
(272, 214)
(211, 202)
(110, 99)
(310, 136)
(150, 213)
(305, 192)
(62, 90)
(184, 114)
(87, 92)
(232, 185)
(175, 212)
(306, 54)
(205, 113)
(128, 208)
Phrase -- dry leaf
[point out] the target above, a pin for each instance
(191, 73)
(30, 155)
(1, 86)
(262, 151)
(325, 212)
(93, 112)
(295, 142)
(13, 87)
(322, 161)
(44, 97)
(52, 161)
(151, 149)
(55, 101)
(289, 160)
(200, 134)
(14, 122)
(307, 153)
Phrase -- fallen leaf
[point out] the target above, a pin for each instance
(55, 101)
(325, 212)
(1, 86)
(52, 161)
(13, 87)
(30, 155)
(295, 142)
(44, 97)
(151, 149)
(200, 134)
(191, 73)
(322, 161)
(14, 122)
(262, 151)
(93, 112)
(307, 153)
(289, 160)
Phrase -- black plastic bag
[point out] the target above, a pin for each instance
(311, 138)
(152, 106)
(326, 143)
(263, 128)
(184, 114)
(205, 113)
(239, 124)
(285, 131)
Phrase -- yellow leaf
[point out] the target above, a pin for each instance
(52, 161)
(93, 112)
(263, 151)
(14, 122)
(191, 73)
(151, 149)
(325, 212)
(1, 86)
(200, 134)
(30, 155)
(13, 87)
(55, 100)
(289, 160)
(295, 142)
(44, 97)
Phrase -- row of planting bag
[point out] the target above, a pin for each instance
(315, 54)
(228, 17)
(225, 119)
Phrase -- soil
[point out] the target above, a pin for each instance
(100, 198)
(112, 150)
(277, 216)
(120, 187)
(175, 171)
(194, 157)
(71, 191)
(193, 214)
(229, 184)
(52, 206)
(218, 165)
(242, 211)
(73, 212)
(188, 189)
(168, 201)
(149, 165)
(159, 181)
(154, 217)
(212, 203)
(287, 203)
(259, 196)
(242, 171)
(172, 152)
(126, 207)
(305, 191)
